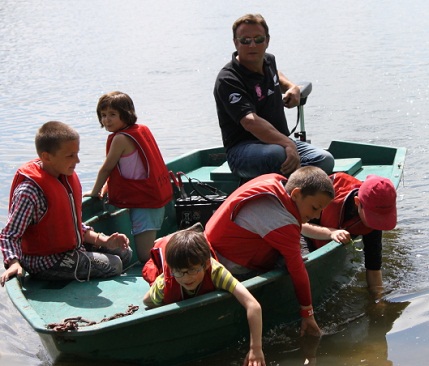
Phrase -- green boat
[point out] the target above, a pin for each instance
(193, 328)
(114, 325)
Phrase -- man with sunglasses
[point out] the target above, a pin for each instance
(250, 96)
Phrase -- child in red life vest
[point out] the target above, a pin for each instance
(190, 271)
(260, 223)
(137, 177)
(359, 208)
(44, 233)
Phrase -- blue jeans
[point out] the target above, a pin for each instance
(250, 159)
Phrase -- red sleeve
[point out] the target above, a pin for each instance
(286, 240)
(153, 267)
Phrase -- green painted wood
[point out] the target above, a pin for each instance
(350, 166)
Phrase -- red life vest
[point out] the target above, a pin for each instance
(153, 192)
(238, 244)
(60, 229)
(157, 263)
(333, 215)
(172, 289)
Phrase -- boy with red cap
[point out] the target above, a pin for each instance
(359, 208)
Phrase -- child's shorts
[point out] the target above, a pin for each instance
(144, 219)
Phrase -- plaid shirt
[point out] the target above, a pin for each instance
(27, 207)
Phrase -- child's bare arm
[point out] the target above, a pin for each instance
(148, 301)
(117, 148)
(325, 233)
(254, 317)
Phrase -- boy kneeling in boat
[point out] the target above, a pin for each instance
(44, 233)
(190, 270)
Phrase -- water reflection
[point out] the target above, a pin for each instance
(409, 334)
(356, 336)
(363, 341)
(359, 340)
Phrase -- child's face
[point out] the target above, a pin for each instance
(63, 161)
(111, 120)
(310, 207)
(189, 281)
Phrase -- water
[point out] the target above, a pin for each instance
(368, 62)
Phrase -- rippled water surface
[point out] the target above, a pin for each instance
(368, 62)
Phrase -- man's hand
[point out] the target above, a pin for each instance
(292, 162)
(292, 97)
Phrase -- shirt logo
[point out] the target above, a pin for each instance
(258, 92)
(234, 98)
(270, 92)
(276, 80)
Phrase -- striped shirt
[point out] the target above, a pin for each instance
(28, 207)
(221, 277)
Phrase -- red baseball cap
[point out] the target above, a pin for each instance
(377, 196)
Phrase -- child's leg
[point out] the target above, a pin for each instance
(104, 265)
(124, 254)
(82, 265)
(145, 224)
(144, 243)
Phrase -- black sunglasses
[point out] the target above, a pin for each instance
(248, 40)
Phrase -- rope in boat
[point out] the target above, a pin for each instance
(77, 265)
(73, 323)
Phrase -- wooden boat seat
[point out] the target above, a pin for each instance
(223, 173)
(202, 174)
(350, 165)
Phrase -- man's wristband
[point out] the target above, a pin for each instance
(306, 313)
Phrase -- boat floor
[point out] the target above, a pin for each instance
(91, 300)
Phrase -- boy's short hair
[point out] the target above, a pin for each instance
(120, 102)
(187, 248)
(311, 180)
(250, 19)
(51, 135)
